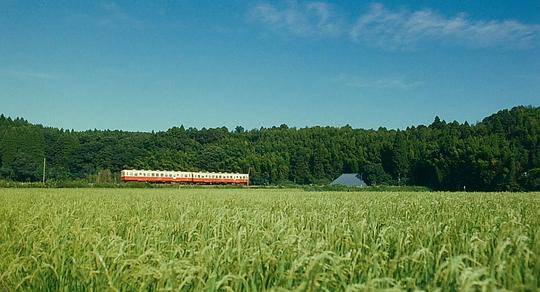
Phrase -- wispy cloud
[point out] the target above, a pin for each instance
(115, 17)
(31, 75)
(386, 28)
(394, 82)
(397, 29)
(307, 19)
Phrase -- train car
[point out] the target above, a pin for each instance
(159, 176)
(220, 178)
(156, 176)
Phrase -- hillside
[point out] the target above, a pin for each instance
(499, 153)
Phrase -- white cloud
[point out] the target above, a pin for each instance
(31, 75)
(382, 27)
(396, 29)
(115, 17)
(395, 82)
(309, 19)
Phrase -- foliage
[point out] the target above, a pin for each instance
(500, 153)
(242, 239)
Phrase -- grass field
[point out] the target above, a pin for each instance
(242, 239)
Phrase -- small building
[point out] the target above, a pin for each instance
(349, 180)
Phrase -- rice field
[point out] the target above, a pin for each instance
(252, 239)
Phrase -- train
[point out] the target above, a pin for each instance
(188, 177)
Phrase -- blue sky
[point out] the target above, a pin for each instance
(136, 65)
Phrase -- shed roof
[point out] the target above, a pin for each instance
(350, 180)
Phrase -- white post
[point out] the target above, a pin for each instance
(43, 169)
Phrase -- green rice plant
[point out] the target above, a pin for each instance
(267, 239)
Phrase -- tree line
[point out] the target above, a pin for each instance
(499, 153)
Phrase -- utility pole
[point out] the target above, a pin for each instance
(43, 169)
(249, 172)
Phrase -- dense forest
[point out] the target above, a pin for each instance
(499, 153)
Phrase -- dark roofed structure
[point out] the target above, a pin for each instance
(349, 180)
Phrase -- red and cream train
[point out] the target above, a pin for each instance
(159, 176)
